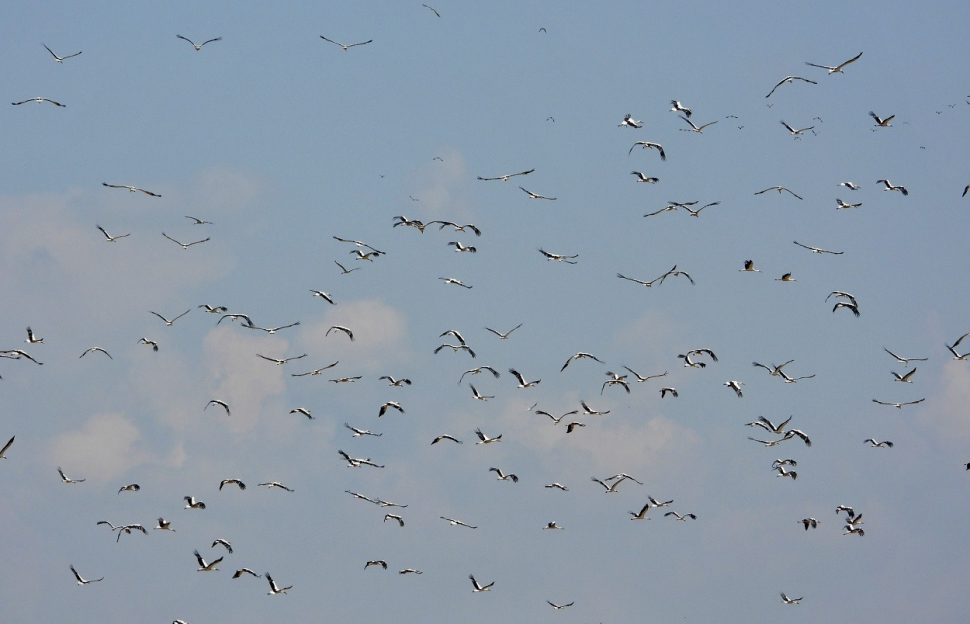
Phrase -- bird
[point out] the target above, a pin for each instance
(641, 378)
(325, 296)
(206, 567)
(789, 80)
(399, 519)
(899, 405)
(221, 404)
(451, 280)
(462, 248)
(475, 371)
(691, 364)
(224, 543)
(90, 349)
(875, 444)
(479, 396)
(410, 571)
(65, 479)
(904, 378)
(274, 589)
(81, 580)
(504, 477)
(164, 525)
(16, 354)
(362, 432)
(842, 205)
(695, 128)
(390, 404)
(791, 433)
(641, 282)
(697, 213)
(346, 379)
(484, 439)
(446, 437)
(39, 100)
(110, 238)
(668, 390)
(522, 382)
(344, 270)
(458, 228)
(769, 443)
(132, 487)
(131, 189)
(610, 489)
(786, 473)
(199, 45)
(274, 484)
(889, 187)
(279, 362)
(952, 348)
(214, 309)
(838, 68)
(186, 245)
(557, 486)
(903, 360)
(579, 356)
(127, 529)
(535, 195)
(850, 530)
(347, 47)
(505, 178)
(553, 526)
(236, 482)
(642, 514)
(358, 243)
(749, 267)
(779, 189)
(362, 497)
(652, 501)
(783, 462)
(615, 380)
(558, 257)
(315, 371)
(503, 336)
(198, 221)
(736, 386)
(796, 133)
(767, 425)
(360, 255)
(60, 59)
(590, 411)
(648, 144)
(680, 517)
(809, 523)
(849, 306)
(357, 462)
(242, 571)
(555, 420)
(247, 322)
(849, 185)
(643, 178)
(378, 562)
(680, 108)
(786, 277)
(675, 273)
(345, 330)
(191, 503)
(458, 523)
(773, 370)
(630, 122)
(433, 10)
(302, 411)
(789, 601)
(168, 322)
(882, 123)
(273, 330)
(477, 587)
(558, 607)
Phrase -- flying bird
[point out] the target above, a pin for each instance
(221, 404)
(206, 567)
(131, 189)
(642, 514)
(164, 525)
(446, 437)
(323, 295)
(789, 601)
(842, 205)
(694, 127)
(236, 482)
(641, 378)
(485, 439)
(133, 487)
(899, 405)
(198, 46)
(903, 360)
(274, 484)
(838, 68)
(316, 371)
(505, 178)
(850, 186)
(462, 248)
(522, 382)
(475, 371)
(346, 47)
(889, 187)
(111, 238)
(630, 122)
(451, 280)
(168, 322)
(399, 519)
(477, 587)
(362, 432)
(680, 108)
(558, 257)
(504, 477)
(779, 189)
(850, 306)
(433, 10)
(378, 562)
(345, 330)
(504, 336)
(81, 580)
(60, 59)
(224, 543)
(458, 523)
(579, 356)
(242, 571)
(680, 517)
(736, 386)
(749, 267)
(789, 80)
(344, 270)
(39, 100)
(643, 178)
(535, 195)
(65, 479)
(90, 349)
(648, 144)
(555, 420)
(280, 362)
(796, 133)
(809, 523)
(558, 607)
(16, 354)
(191, 503)
(668, 390)
(186, 245)
(198, 221)
(876, 444)
(390, 404)
(880, 122)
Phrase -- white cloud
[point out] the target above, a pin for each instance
(380, 335)
(103, 449)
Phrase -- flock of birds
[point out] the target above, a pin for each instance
(454, 344)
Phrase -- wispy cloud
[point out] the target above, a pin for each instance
(104, 448)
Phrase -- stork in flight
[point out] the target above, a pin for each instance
(680, 108)
(789, 601)
(779, 189)
(90, 349)
(630, 122)
(504, 336)
(695, 128)
(838, 68)
(579, 356)
(457, 523)
(522, 382)
(903, 360)
(899, 405)
(889, 187)
(477, 586)
(348, 46)
(504, 477)
(796, 133)
(558, 257)
(505, 178)
(880, 122)
(191, 503)
(111, 238)
(535, 195)
(484, 439)
(206, 567)
(877, 444)
(60, 59)
(648, 144)
(39, 100)
(65, 479)
(198, 46)
(81, 580)
(131, 189)
(186, 245)
(168, 322)
(789, 80)
(642, 178)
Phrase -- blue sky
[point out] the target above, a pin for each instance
(284, 141)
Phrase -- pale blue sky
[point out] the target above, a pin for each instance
(283, 141)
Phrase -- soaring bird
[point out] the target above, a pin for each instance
(779, 189)
(378, 562)
(206, 567)
(16, 354)
(694, 127)
(111, 238)
(789, 80)
(842, 205)
(345, 330)
(433, 10)
(889, 187)
(236, 482)
(274, 589)
(221, 404)
(504, 477)
(168, 322)
(558, 257)
(590, 411)
(80, 579)
(452, 280)
(899, 405)
(479, 396)
(348, 46)
(274, 484)
(579, 356)
(90, 349)
(462, 248)
(362, 432)
(642, 515)
(851, 306)
(504, 336)
(789, 601)
(65, 479)
(903, 360)
(809, 523)
(186, 245)
(880, 122)
(767, 425)
(132, 487)
(457, 523)
(522, 382)
(553, 526)
(164, 525)
(680, 108)
(692, 364)
(796, 133)
(391, 405)
(838, 68)
(484, 439)
(877, 444)
(325, 296)
(555, 420)
(668, 390)
(242, 571)
(641, 378)
(131, 189)
(505, 178)
(850, 186)
(396, 517)
(39, 100)
(819, 250)
(680, 517)
(224, 543)
(315, 371)
(477, 587)
(279, 362)
(558, 486)
(446, 437)
(302, 411)
(198, 46)
(535, 195)
(643, 178)
(648, 144)
(558, 607)
(735, 385)
(475, 371)
(198, 221)
(60, 59)
(344, 270)
(610, 489)
(630, 122)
